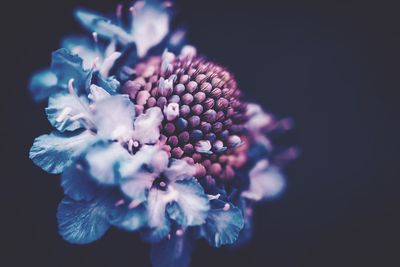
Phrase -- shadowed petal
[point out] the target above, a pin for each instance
(56, 151)
(82, 222)
(67, 66)
(103, 26)
(84, 48)
(223, 224)
(131, 219)
(65, 111)
(77, 183)
(147, 126)
(191, 203)
(173, 252)
(110, 84)
(43, 84)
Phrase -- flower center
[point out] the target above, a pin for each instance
(204, 114)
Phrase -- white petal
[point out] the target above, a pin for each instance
(136, 187)
(150, 26)
(108, 63)
(157, 202)
(203, 146)
(147, 126)
(97, 93)
(179, 170)
(171, 111)
(265, 182)
(114, 117)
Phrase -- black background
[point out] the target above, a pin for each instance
(332, 66)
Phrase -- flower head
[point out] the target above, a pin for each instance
(152, 137)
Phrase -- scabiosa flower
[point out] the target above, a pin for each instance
(152, 137)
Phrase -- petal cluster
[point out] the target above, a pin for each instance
(126, 144)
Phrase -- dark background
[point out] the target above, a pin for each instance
(332, 66)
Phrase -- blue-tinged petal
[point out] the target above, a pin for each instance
(191, 203)
(110, 84)
(114, 117)
(223, 224)
(84, 48)
(43, 84)
(247, 231)
(103, 26)
(265, 182)
(77, 183)
(149, 26)
(131, 219)
(103, 159)
(66, 111)
(56, 151)
(66, 66)
(83, 222)
(173, 252)
(147, 126)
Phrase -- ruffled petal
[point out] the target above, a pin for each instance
(56, 151)
(150, 25)
(78, 184)
(103, 26)
(43, 84)
(110, 84)
(223, 224)
(190, 205)
(66, 66)
(84, 48)
(265, 182)
(173, 252)
(179, 169)
(83, 222)
(131, 219)
(103, 160)
(114, 117)
(131, 166)
(66, 111)
(147, 126)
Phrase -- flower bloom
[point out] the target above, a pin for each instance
(152, 137)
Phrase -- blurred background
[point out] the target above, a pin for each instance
(333, 66)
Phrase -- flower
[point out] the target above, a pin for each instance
(152, 137)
